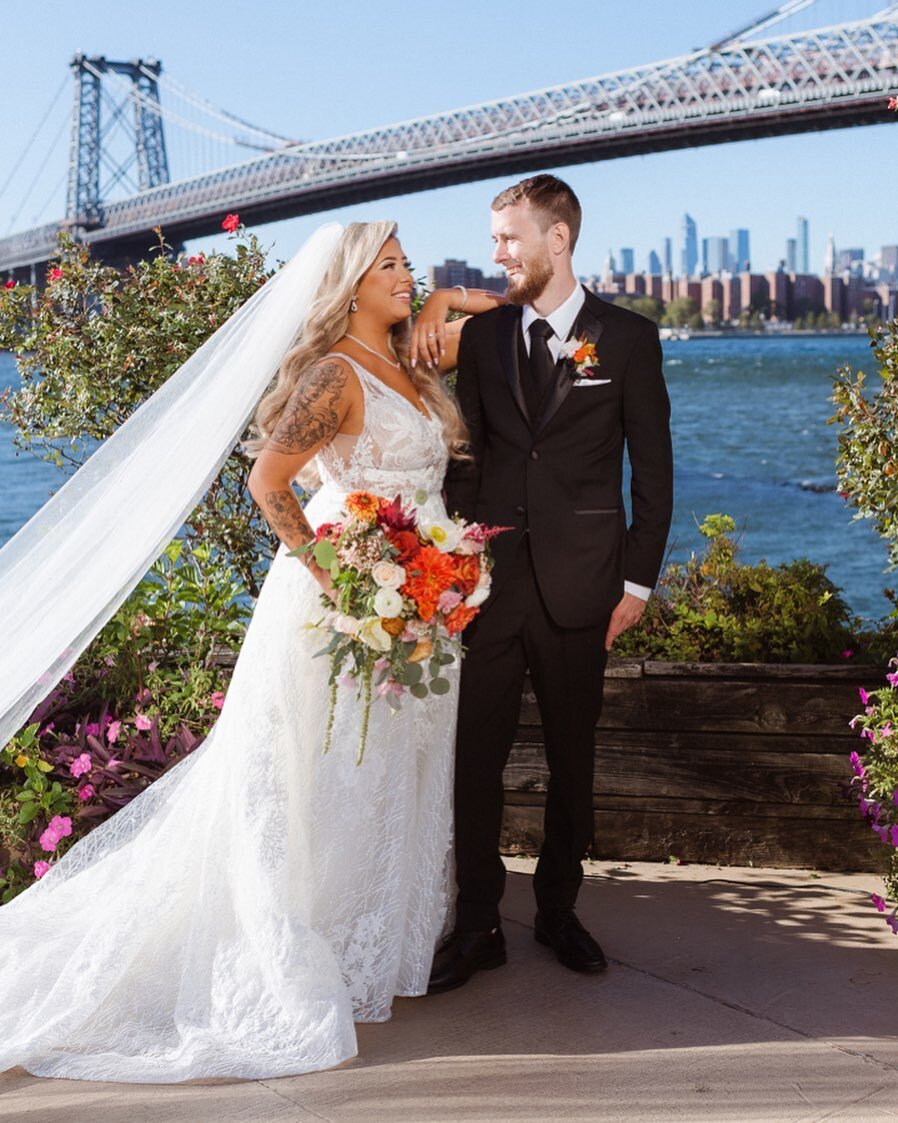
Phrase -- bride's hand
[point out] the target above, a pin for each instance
(428, 342)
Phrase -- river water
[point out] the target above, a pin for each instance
(750, 440)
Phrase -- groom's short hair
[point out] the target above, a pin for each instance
(551, 200)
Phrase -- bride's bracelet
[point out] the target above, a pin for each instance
(464, 297)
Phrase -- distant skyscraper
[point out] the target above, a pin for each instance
(791, 255)
(654, 264)
(890, 260)
(850, 259)
(740, 252)
(610, 266)
(689, 258)
(668, 256)
(715, 255)
(627, 260)
(829, 258)
(804, 248)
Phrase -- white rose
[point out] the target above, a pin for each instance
(371, 632)
(387, 602)
(444, 534)
(476, 599)
(388, 575)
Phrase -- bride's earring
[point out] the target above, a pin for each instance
(354, 304)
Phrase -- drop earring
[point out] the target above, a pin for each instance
(354, 304)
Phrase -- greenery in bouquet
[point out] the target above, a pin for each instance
(404, 588)
(875, 780)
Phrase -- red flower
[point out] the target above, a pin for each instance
(432, 574)
(893, 103)
(55, 273)
(231, 223)
(467, 573)
(459, 618)
(391, 515)
(10, 285)
(405, 542)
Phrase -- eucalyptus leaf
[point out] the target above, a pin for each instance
(324, 553)
(440, 686)
(419, 690)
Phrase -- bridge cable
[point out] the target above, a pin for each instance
(51, 151)
(18, 163)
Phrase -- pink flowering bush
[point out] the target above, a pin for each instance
(875, 780)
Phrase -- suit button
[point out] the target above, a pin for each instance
(519, 511)
(534, 455)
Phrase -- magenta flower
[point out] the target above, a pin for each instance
(41, 867)
(847, 653)
(892, 922)
(86, 792)
(893, 831)
(864, 695)
(886, 729)
(62, 824)
(112, 731)
(48, 840)
(143, 722)
(113, 762)
(217, 699)
(856, 765)
(878, 903)
(55, 273)
(81, 765)
(892, 678)
(92, 730)
(48, 728)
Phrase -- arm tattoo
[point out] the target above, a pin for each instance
(310, 416)
(286, 518)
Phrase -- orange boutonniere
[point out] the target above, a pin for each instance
(581, 354)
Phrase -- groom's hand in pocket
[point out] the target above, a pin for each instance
(628, 611)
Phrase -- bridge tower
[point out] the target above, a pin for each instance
(85, 196)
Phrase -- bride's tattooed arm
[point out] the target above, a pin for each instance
(313, 416)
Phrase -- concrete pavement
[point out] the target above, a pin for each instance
(732, 995)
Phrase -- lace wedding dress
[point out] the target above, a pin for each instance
(238, 916)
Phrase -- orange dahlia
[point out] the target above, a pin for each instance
(430, 573)
(585, 353)
(363, 505)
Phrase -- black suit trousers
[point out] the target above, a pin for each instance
(515, 633)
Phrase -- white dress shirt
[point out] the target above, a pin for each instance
(562, 322)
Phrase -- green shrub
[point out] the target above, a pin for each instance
(714, 609)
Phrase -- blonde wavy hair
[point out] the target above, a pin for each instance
(328, 321)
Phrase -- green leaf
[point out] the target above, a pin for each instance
(419, 690)
(28, 812)
(324, 553)
(421, 497)
(440, 686)
(446, 658)
(44, 766)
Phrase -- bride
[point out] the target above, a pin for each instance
(241, 914)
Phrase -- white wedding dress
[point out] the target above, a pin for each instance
(237, 917)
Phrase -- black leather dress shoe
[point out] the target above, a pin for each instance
(463, 954)
(572, 944)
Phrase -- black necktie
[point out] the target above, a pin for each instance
(542, 367)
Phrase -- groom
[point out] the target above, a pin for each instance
(547, 439)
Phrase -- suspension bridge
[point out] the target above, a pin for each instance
(748, 84)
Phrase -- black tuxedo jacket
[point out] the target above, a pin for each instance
(559, 476)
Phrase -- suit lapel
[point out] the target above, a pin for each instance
(588, 326)
(509, 332)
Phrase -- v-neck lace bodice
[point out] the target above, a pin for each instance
(399, 451)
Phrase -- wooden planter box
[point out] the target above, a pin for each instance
(735, 764)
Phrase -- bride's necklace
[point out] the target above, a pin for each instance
(371, 351)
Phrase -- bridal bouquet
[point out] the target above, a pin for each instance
(404, 588)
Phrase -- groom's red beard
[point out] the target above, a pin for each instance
(524, 288)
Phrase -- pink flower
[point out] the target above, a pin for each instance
(112, 730)
(892, 678)
(86, 792)
(217, 699)
(892, 922)
(68, 677)
(62, 824)
(856, 765)
(390, 686)
(109, 660)
(893, 831)
(449, 599)
(231, 222)
(113, 762)
(41, 867)
(847, 653)
(886, 729)
(92, 730)
(81, 765)
(878, 903)
(865, 697)
(55, 273)
(48, 728)
(381, 665)
(346, 680)
(142, 722)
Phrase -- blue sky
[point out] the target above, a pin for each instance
(318, 70)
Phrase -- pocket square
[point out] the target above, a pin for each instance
(591, 382)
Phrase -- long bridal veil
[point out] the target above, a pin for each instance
(68, 569)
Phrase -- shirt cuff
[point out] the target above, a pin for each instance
(641, 591)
